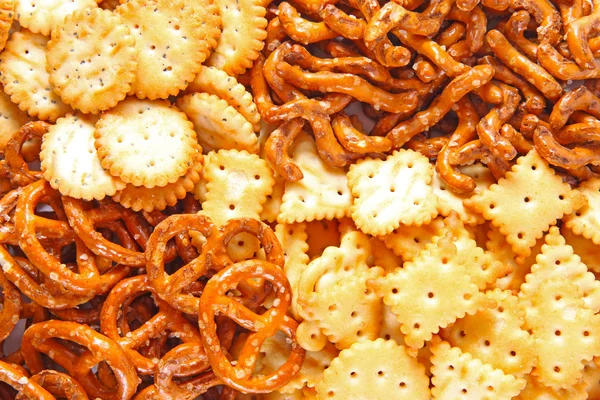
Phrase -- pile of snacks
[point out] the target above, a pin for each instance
(192, 207)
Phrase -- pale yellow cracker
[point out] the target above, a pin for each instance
(495, 335)
(536, 391)
(24, 77)
(408, 241)
(92, 60)
(591, 377)
(450, 201)
(70, 162)
(173, 37)
(214, 81)
(526, 202)
(392, 192)
(273, 204)
(219, 126)
(584, 248)
(11, 119)
(322, 234)
(158, 198)
(565, 331)
(376, 369)
(148, 143)
(457, 375)
(586, 221)
(244, 29)
(390, 327)
(430, 292)
(199, 191)
(323, 191)
(45, 16)
(7, 15)
(383, 257)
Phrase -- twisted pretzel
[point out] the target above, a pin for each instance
(58, 384)
(27, 388)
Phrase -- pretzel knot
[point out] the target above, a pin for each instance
(216, 301)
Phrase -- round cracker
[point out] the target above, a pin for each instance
(7, 14)
(158, 198)
(23, 74)
(219, 126)
(95, 47)
(70, 163)
(244, 31)
(214, 81)
(173, 39)
(143, 142)
(44, 16)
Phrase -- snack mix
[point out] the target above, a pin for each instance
(301, 199)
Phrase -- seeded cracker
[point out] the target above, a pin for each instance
(11, 119)
(244, 30)
(70, 163)
(158, 198)
(219, 126)
(586, 221)
(173, 37)
(323, 191)
(392, 192)
(44, 16)
(7, 14)
(214, 81)
(24, 77)
(374, 370)
(146, 143)
(92, 60)
(530, 192)
(458, 375)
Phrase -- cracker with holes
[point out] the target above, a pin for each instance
(333, 292)
(584, 248)
(535, 390)
(237, 186)
(216, 82)
(376, 369)
(24, 77)
(526, 202)
(565, 332)
(92, 60)
(45, 16)
(408, 241)
(7, 15)
(219, 126)
(496, 335)
(449, 201)
(392, 192)
(146, 143)
(158, 198)
(458, 375)
(11, 119)
(431, 291)
(70, 163)
(323, 191)
(174, 37)
(273, 204)
(244, 31)
(586, 221)
(274, 352)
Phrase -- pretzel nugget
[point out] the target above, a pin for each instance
(452, 93)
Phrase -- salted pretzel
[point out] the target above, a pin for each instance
(19, 171)
(514, 29)
(352, 139)
(18, 379)
(42, 338)
(578, 34)
(346, 25)
(580, 99)
(560, 156)
(215, 301)
(57, 384)
(300, 29)
(561, 68)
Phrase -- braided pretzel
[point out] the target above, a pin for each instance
(58, 384)
(214, 301)
(42, 338)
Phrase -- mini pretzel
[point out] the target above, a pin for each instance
(214, 301)
(578, 34)
(475, 150)
(11, 307)
(476, 24)
(27, 388)
(300, 29)
(276, 149)
(520, 64)
(561, 156)
(579, 99)
(345, 25)
(58, 384)
(424, 69)
(20, 174)
(516, 138)
(284, 90)
(355, 141)
(579, 133)
(564, 69)
(454, 91)
(546, 16)
(429, 147)
(514, 30)
(41, 338)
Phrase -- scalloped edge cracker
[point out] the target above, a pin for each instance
(586, 221)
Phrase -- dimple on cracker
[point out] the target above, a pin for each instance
(70, 162)
(375, 369)
(44, 16)
(148, 143)
(526, 202)
(173, 37)
(92, 60)
(392, 192)
(24, 77)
